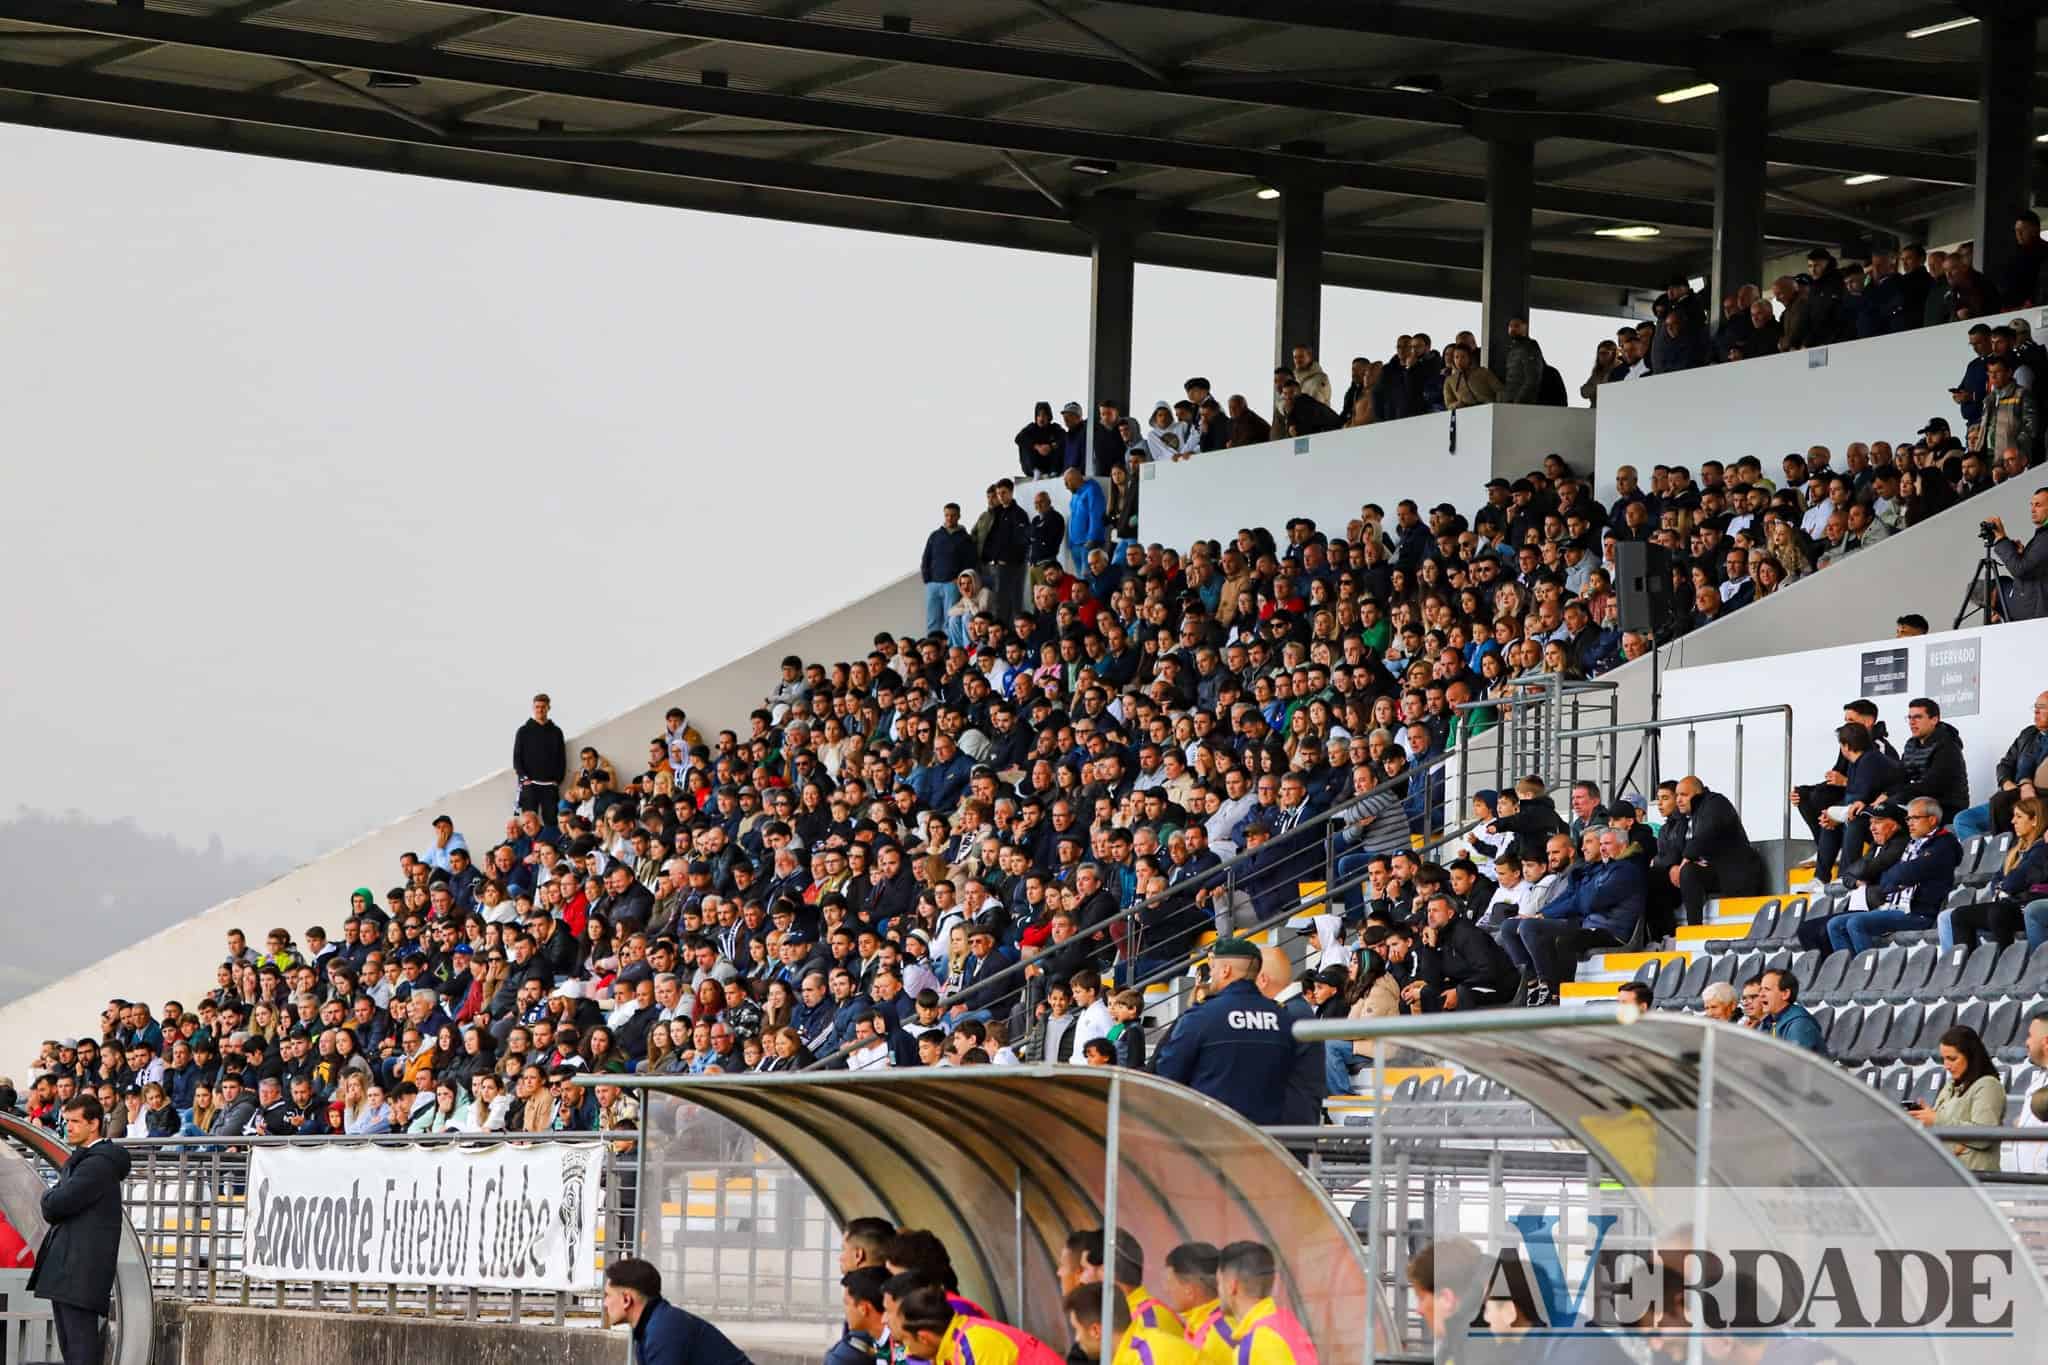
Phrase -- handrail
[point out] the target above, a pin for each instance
(382, 1139)
(1220, 874)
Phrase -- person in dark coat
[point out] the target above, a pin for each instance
(1235, 1047)
(540, 758)
(1308, 1077)
(1865, 771)
(1041, 445)
(663, 1334)
(1719, 859)
(74, 1267)
(1931, 763)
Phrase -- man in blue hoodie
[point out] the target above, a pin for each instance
(1087, 524)
(1600, 909)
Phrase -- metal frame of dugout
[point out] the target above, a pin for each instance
(27, 1328)
(1002, 1163)
(1693, 1120)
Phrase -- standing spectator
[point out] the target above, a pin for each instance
(1247, 428)
(1233, 1047)
(1309, 375)
(1719, 859)
(1107, 443)
(1041, 445)
(1522, 377)
(1074, 432)
(1604, 357)
(2019, 280)
(540, 758)
(1048, 534)
(1005, 551)
(2010, 417)
(2026, 596)
(1915, 284)
(1087, 518)
(947, 552)
(1467, 384)
(74, 1266)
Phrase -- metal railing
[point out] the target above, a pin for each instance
(1148, 928)
(716, 1209)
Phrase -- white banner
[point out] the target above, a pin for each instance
(499, 1217)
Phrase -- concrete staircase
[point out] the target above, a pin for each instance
(1727, 917)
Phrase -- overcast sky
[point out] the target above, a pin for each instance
(312, 476)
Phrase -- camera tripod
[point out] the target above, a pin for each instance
(1982, 594)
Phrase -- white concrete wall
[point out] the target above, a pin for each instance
(1328, 477)
(179, 962)
(1880, 389)
(1817, 682)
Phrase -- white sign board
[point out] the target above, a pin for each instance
(499, 1217)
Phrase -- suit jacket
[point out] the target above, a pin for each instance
(75, 1264)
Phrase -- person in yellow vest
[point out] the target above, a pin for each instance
(1191, 1292)
(1136, 1344)
(929, 1330)
(1081, 1262)
(1263, 1331)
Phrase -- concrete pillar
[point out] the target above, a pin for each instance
(2005, 131)
(1504, 272)
(1298, 273)
(1111, 291)
(1741, 122)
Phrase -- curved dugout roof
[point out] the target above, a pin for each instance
(1798, 1153)
(1002, 1163)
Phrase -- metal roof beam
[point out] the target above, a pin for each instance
(295, 47)
(347, 135)
(1278, 89)
(1580, 42)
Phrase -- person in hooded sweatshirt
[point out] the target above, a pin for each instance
(1167, 438)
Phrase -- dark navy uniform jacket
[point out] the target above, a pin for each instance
(1236, 1047)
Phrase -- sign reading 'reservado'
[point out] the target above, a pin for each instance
(500, 1217)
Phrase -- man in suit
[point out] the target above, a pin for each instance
(74, 1267)
(1718, 860)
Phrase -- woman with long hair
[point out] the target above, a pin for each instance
(1972, 1097)
(2022, 879)
(777, 1007)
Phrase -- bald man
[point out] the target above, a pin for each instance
(1307, 1080)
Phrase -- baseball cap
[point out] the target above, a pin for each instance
(1074, 408)
(1933, 424)
(1236, 947)
(1890, 810)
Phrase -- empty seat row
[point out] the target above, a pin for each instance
(1892, 973)
(1922, 1082)
(1911, 1032)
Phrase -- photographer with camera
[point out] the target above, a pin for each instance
(2026, 596)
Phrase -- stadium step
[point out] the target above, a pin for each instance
(1707, 933)
(1620, 967)
(1744, 908)
(1799, 877)
(1340, 1105)
(1583, 991)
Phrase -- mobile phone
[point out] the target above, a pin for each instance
(1910, 1105)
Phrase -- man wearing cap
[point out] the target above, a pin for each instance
(1234, 1047)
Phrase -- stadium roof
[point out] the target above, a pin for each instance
(998, 121)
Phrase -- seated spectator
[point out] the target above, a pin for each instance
(2024, 760)
(1783, 1016)
(1600, 909)
(1466, 968)
(1717, 859)
(1718, 1002)
(2022, 880)
(1930, 763)
(1971, 1097)
(1888, 843)
(1911, 891)
(1860, 773)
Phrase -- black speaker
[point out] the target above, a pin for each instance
(1642, 585)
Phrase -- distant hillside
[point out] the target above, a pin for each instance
(78, 888)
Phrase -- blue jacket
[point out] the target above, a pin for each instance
(852, 1348)
(666, 1335)
(1976, 378)
(1608, 897)
(1930, 870)
(1870, 776)
(1086, 527)
(1798, 1028)
(2031, 871)
(1236, 1048)
(940, 785)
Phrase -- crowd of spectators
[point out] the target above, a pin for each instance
(976, 844)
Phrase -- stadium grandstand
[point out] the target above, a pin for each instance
(1695, 685)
